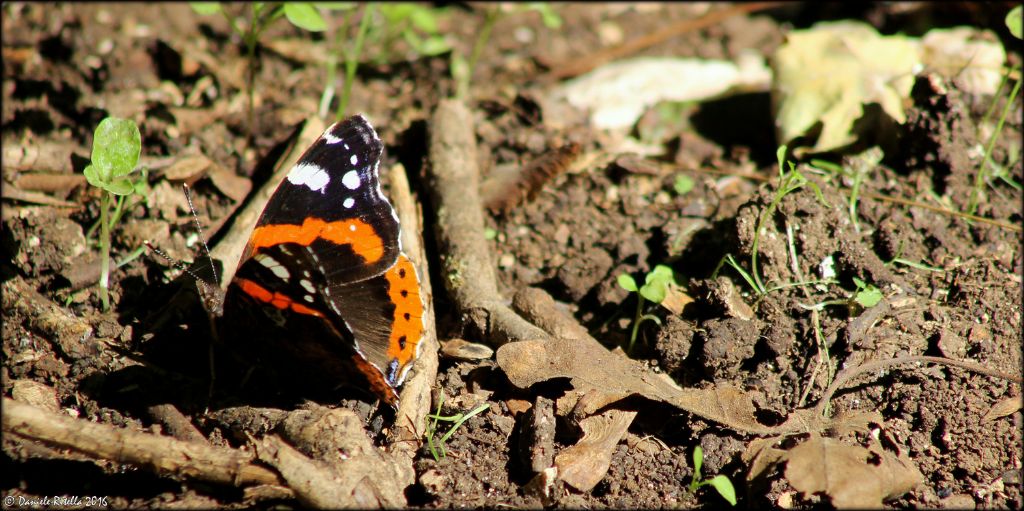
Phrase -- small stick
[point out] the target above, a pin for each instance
(156, 453)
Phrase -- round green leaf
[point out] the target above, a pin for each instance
(683, 184)
(724, 487)
(305, 16)
(655, 291)
(1013, 22)
(115, 147)
(433, 45)
(868, 297)
(397, 11)
(548, 16)
(698, 460)
(93, 177)
(120, 187)
(662, 274)
(205, 8)
(627, 282)
(424, 19)
(335, 6)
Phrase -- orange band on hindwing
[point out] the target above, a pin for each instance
(361, 236)
(407, 324)
(276, 299)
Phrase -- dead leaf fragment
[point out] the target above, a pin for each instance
(829, 72)
(851, 475)
(36, 394)
(1004, 407)
(461, 349)
(590, 366)
(230, 184)
(583, 465)
(188, 168)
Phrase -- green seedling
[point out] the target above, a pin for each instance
(682, 184)
(1013, 23)
(457, 420)
(116, 146)
(789, 181)
(897, 259)
(382, 25)
(735, 265)
(655, 288)
(720, 483)
(351, 60)
(418, 25)
(859, 168)
(462, 69)
(866, 296)
(303, 15)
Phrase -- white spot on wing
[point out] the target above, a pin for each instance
(351, 180)
(310, 175)
(354, 160)
(328, 137)
(349, 202)
(275, 267)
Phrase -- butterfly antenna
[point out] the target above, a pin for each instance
(174, 262)
(199, 228)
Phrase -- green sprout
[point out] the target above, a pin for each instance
(382, 25)
(720, 483)
(654, 289)
(789, 181)
(898, 259)
(866, 296)
(116, 146)
(303, 15)
(1013, 23)
(462, 69)
(859, 170)
(351, 59)
(682, 184)
(457, 420)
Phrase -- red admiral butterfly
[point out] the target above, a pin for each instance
(323, 283)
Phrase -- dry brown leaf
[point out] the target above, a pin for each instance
(583, 465)
(852, 476)
(590, 366)
(1003, 408)
(855, 422)
(232, 185)
(676, 298)
(187, 168)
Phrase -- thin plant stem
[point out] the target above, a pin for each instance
(105, 251)
(636, 321)
(979, 179)
(481, 41)
(352, 59)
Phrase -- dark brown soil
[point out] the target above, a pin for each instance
(181, 77)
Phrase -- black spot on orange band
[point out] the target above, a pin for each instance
(407, 322)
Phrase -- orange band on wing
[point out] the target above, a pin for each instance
(360, 235)
(276, 299)
(407, 325)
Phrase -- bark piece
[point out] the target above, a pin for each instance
(537, 436)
